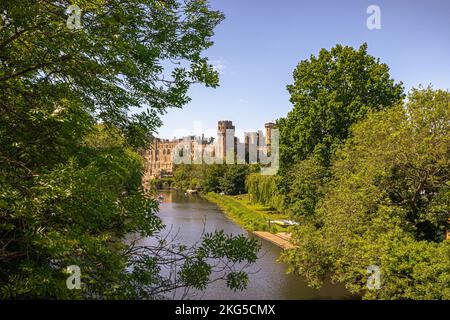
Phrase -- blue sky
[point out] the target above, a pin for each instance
(260, 42)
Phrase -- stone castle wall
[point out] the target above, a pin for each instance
(159, 157)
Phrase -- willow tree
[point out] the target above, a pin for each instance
(263, 189)
(70, 192)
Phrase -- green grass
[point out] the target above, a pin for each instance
(253, 217)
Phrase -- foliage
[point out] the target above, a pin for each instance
(217, 257)
(264, 189)
(73, 215)
(70, 190)
(127, 54)
(388, 205)
(233, 180)
(307, 180)
(330, 92)
(229, 179)
(213, 178)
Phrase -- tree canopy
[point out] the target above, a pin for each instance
(70, 174)
(226, 178)
(387, 205)
(330, 92)
(126, 55)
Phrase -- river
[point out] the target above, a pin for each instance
(190, 215)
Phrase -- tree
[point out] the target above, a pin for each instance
(233, 180)
(70, 190)
(214, 178)
(214, 173)
(263, 189)
(307, 180)
(330, 92)
(182, 175)
(388, 205)
(127, 54)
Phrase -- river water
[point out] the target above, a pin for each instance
(190, 215)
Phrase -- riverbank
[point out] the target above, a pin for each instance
(252, 217)
(191, 216)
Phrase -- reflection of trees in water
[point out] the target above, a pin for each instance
(178, 196)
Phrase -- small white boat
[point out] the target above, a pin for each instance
(284, 223)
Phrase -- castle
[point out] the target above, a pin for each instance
(159, 158)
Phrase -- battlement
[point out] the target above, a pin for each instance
(159, 157)
(223, 125)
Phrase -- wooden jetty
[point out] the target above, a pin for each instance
(280, 239)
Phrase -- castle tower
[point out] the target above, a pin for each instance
(269, 126)
(222, 127)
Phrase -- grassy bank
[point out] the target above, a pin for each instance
(243, 212)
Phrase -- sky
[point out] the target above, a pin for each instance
(260, 42)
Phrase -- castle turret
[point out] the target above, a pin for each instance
(269, 126)
(222, 127)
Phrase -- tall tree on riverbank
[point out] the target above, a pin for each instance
(330, 92)
(388, 206)
(70, 192)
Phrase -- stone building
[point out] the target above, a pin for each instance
(159, 158)
(225, 132)
(269, 126)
